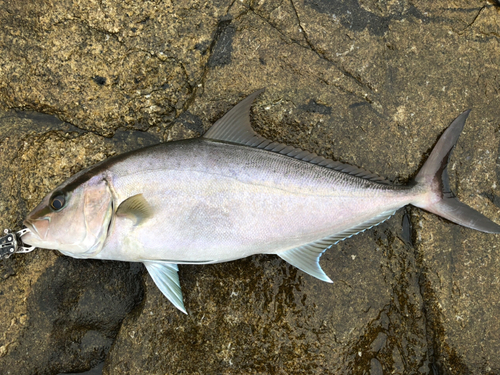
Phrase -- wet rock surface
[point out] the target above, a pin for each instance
(368, 83)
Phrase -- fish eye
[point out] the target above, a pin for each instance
(57, 202)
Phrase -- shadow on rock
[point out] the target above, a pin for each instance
(75, 311)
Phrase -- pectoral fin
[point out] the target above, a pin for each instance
(135, 208)
(166, 279)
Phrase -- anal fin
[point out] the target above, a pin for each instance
(166, 279)
(306, 257)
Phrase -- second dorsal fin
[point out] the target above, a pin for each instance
(235, 127)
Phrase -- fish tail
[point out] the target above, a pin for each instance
(433, 178)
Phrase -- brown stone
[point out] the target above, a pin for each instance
(364, 82)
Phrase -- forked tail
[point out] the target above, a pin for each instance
(434, 177)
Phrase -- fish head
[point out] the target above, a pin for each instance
(72, 219)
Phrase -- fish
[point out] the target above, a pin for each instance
(230, 194)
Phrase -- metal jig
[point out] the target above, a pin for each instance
(11, 243)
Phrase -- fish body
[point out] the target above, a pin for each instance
(215, 202)
(229, 195)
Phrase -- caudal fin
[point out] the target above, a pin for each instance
(434, 177)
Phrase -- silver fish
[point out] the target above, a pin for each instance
(228, 195)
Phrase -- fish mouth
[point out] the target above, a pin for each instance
(39, 231)
(31, 227)
(31, 236)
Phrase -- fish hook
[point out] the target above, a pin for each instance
(11, 243)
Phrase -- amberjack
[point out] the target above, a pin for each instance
(228, 195)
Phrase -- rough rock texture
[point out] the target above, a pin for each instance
(371, 83)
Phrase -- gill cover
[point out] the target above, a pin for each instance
(75, 222)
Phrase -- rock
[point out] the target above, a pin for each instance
(59, 314)
(368, 83)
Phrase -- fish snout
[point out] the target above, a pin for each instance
(38, 230)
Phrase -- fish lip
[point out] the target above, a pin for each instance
(32, 227)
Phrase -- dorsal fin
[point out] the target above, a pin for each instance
(235, 127)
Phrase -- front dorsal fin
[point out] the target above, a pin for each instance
(235, 127)
(306, 257)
